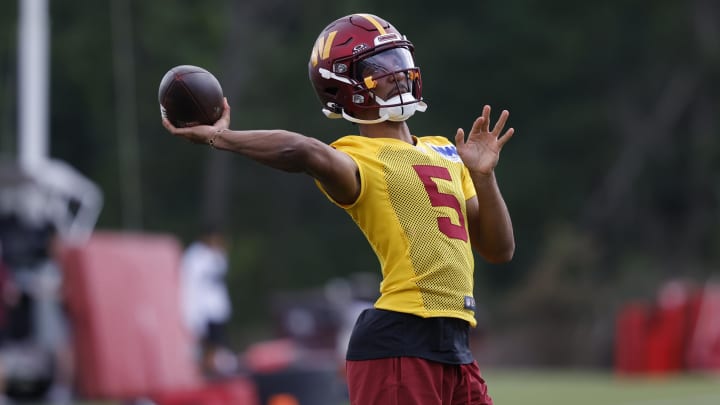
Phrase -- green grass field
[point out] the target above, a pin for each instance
(567, 387)
(544, 387)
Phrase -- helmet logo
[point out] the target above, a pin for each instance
(321, 50)
(359, 48)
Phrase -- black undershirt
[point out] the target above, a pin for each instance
(381, 334)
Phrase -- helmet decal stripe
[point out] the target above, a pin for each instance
(374, 22)
(328, 44)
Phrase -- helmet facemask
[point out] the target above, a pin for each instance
(394, 65)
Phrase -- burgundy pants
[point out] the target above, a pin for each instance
(415, 381)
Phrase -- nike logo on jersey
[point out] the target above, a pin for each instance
(469, 303)
(447, 151)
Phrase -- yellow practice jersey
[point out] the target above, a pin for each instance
(412, 210)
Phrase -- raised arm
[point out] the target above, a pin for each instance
(491, 231)
(283, 150)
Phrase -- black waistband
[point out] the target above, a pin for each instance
(380, 334)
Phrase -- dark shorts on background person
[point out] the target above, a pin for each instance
(215, 334)
(415, 381)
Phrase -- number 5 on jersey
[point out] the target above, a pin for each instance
(438, 199)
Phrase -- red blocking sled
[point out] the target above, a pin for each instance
(122, 296)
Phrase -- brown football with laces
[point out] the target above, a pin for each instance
(190, 95)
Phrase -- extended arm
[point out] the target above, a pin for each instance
(283, 150)
(491, 231)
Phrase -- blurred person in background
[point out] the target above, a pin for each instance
(205, 301)
(350, 297)
(37, 320)
(423, 203)
(8, 299)
(54, 330)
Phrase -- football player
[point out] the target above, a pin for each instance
(424, 203)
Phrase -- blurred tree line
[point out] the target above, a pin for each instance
(610, 179)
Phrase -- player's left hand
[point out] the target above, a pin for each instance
(201, 133)
(480, 151)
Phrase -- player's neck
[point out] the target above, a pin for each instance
(387, 129)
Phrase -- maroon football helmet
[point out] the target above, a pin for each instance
(350, 56)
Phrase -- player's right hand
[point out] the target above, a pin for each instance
(201, 134)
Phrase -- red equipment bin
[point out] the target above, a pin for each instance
(631, 332)
(122, 292)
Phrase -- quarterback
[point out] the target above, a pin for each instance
(424, 203)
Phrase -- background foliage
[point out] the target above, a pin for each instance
(611, 178)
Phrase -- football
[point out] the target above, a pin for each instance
(190, 95)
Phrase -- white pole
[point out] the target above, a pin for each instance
(33, 83)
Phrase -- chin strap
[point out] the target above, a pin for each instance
(359, 121)
(330, 114)
(350, 118)
(333, 115)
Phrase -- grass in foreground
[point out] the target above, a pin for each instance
(579, 387)
(546, 387)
